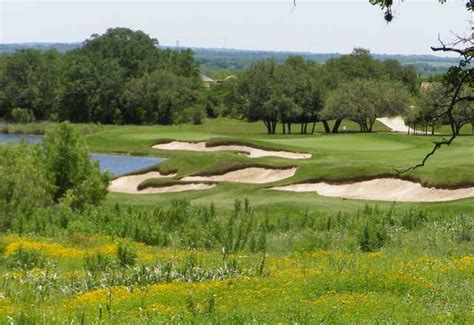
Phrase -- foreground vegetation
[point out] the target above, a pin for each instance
(193, 264)
(214, 256)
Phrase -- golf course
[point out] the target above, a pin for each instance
(155, 255)
(342, 158)
(255, 180)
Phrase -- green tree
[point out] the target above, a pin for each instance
(134, 51)
(160, 97)
(28, 79)
(280, 107)
(23, 186)
(75, 179)
(363, 101)
(257, 87)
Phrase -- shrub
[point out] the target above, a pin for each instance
(24, 259)
(76, 180)
(21, 115)
(126, 256)
(372, 237)
(98, 262)
(198, 115)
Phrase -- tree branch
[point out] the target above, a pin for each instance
(437, 146)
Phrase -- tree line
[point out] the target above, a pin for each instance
(123, 77)
(118, 77)
(356, 87)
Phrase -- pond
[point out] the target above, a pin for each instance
(29, 138)
(117, 165)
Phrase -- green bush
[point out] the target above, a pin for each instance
(126, 256)
(198, 114)
(21, 115)
(96, 263)
(24, 259)
(76, 181)
(372, 237)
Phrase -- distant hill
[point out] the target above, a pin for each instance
(61, 47)
(216, 59)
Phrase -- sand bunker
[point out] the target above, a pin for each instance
(396, 124)
(177, 188)
(251, 175)
(129, 185)
(383, 189)
(246, 150)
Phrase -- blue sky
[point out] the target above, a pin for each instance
(315, 26)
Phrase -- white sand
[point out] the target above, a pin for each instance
(252, 175)
(177, 188)
(383, 189)
(396, 124)
(248, 151)
(129, 184)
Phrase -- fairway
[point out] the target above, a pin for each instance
(335, 158)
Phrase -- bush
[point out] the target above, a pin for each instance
(75, 179)
(372, 237)
(198, 115)
(126, 256)
(97, 263)
(24, 259)
(21, 115)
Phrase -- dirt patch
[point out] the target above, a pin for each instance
(129, 184)
(382, 189)
(251, 175)
(243, 149)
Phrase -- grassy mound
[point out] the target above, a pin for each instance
(165, 182)
(224, 167)
(215, 142)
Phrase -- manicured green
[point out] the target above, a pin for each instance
(340, 157)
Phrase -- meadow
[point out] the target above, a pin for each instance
(241, 253)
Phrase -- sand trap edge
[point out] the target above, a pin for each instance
(381, 189)
(240, 148)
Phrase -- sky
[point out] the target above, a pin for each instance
(312, 26)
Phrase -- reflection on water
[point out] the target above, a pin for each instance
(116, 164)
(29, 138)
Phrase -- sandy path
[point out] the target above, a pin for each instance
(248, 151)
(395, 123)
(129, 184)
(251, 175)
(383, 189)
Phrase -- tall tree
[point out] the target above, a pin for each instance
(28, 80)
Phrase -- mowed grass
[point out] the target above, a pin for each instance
(335, 157)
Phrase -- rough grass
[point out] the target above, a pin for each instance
(39, 128)
(404, 282)
(224, 167)
(164, 182)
